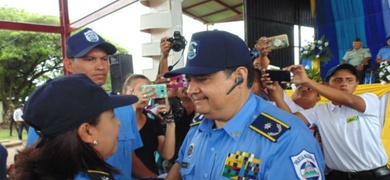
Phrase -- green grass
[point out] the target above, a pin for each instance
(4, 133)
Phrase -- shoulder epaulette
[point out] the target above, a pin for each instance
(198, 118)
(99, 175)
(350, 49)
(269, 126)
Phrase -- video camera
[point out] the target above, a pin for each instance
(178, 42)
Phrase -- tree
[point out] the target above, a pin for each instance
(28, 59)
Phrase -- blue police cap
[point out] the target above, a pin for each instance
(84, 41)
(64, 103)
(212, 51)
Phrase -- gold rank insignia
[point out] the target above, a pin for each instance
(269, 126)
(197, 119)
(99, 175)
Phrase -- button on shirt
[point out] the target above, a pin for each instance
(355, 57)
(384, 53)
(206, 151)
(351, 139)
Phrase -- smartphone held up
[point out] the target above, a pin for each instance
(155, 90)
(279, 75)
(177, 81)
(278, 42)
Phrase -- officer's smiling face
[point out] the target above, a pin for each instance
(208, 92)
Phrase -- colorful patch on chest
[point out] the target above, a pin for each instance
(352, 119)
(241, 165)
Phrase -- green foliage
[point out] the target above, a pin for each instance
(314, 74)
(27, 58)
(318, 49)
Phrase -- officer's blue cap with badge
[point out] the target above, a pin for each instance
(212, 51)
(84, 41)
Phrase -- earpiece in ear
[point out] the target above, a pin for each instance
(239, 80)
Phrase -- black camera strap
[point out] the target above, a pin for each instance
(171, 66)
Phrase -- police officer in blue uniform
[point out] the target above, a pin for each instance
(238, 135)
(384, 53)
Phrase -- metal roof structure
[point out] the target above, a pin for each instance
(205, 11)
(213, 11)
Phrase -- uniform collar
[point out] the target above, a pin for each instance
(236, 125)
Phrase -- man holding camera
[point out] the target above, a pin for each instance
(182, 106)
(238, 135)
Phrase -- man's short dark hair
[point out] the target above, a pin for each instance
(250, 77)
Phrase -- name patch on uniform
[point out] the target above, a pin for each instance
(306, 166)
(352, 119)
(241, 165)
(184, 165)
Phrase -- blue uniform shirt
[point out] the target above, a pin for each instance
(32, 136)
(384, 53)
(128, 140)
(260, 142)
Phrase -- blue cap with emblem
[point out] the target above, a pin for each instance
(84, 41)
(212, 51)
(334, 69)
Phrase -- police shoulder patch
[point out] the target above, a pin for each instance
(198, 118)
(269, 126)
(99, 175)
(306, 166)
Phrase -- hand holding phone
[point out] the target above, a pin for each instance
(278, 42)
(155, 90)
(177, 81)
(279, 75)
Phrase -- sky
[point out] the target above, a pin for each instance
(122, 27)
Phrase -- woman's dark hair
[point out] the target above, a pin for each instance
(251, 73)
(61, 157)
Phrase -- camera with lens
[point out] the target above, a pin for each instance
(178, 42)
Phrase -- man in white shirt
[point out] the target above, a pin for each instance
(349, 125)
(18, 113)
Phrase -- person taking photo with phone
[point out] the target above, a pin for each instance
(349, 125)
(150, 128)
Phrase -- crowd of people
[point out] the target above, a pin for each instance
(230, 120)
